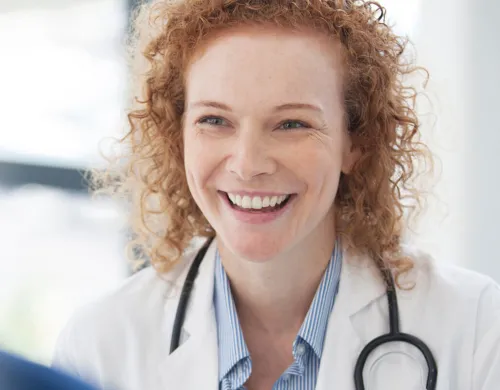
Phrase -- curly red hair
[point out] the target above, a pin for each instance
(379, 107)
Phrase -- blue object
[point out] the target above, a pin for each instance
(235, 365)
(19, 374)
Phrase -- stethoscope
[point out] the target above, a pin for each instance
(394, 334)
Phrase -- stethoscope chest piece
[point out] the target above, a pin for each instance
(395, 336)
(395, 369)
(370, 350)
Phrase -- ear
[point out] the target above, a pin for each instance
(350, 155)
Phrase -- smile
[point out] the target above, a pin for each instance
(258, 203)
(255, 209)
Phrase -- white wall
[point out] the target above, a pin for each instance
(483, 135)
(439, 46)
(458, 42)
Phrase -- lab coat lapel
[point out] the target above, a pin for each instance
(355, 320)
(194, 365)
(349, 327)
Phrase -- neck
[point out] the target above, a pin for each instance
(274, 297)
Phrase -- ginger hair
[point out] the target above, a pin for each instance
(380, 112)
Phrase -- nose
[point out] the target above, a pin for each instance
(250, 155)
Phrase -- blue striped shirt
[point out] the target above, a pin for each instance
(235, 365)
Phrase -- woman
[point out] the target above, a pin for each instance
(283, 129)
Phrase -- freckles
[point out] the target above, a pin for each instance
(190, 178)
(200, 167)
(318, 150)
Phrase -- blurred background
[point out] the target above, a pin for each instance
(63, 84)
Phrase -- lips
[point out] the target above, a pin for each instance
(255, 202)
(257, 216)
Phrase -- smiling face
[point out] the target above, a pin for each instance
(264, 138)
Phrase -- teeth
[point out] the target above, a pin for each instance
(246, 202)
(256, 202)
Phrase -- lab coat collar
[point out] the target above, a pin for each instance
(203, 293)
(352, 323)
(200, 302)
(195, 363)
(360, 283)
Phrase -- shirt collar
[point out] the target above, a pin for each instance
(232, 346)
(313, 329)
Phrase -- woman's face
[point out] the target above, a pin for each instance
(264, 137)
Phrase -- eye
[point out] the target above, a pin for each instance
(294, 124)
(212, 121)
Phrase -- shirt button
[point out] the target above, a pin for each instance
(301, 349)
(286, 377)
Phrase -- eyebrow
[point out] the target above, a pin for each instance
(281, 107)
(209, 103)
(295, 106)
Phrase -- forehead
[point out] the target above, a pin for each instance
(266, 64)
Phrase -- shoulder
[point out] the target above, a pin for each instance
(138, 293)
(126, 319)
(431, 275)
(465, 310)
(466, 297)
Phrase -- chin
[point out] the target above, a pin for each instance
(256, 248)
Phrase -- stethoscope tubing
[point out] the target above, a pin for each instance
(394, 334)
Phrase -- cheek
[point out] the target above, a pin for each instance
(199, 162)
(319, 166)
(191, 162)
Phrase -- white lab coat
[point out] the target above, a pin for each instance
(122, 341)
